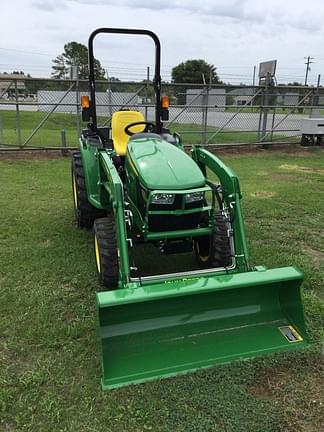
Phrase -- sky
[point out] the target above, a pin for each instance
(233, 35)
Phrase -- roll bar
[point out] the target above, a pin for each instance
(157, 71)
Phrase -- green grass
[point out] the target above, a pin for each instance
(192, 134)
(50, 133)
(49, 360)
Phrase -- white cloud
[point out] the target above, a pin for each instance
(232, 34)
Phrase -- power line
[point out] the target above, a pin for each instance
(27, 52)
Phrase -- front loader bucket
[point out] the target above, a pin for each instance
(177, 326)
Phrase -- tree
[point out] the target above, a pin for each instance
(75, 54)
(192, 71)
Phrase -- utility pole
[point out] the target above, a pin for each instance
(307, 63)
(253, 79)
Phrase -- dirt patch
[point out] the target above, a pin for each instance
(282, 177)
(297, 393)
(263, 194)
(46, 243)
(268, 386)
(302, 169)
(316, 255)
(13, 155)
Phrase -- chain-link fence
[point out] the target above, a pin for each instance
(46, 113)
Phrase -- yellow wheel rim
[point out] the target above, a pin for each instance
(97, 254)
(75, 194)
(203, 258)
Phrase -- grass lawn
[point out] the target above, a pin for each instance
(49, 367)
(50, 133)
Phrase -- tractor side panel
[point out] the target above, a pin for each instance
(91, 171)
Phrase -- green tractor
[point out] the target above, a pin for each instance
(134, 184)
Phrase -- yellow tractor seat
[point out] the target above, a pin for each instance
(119, 121)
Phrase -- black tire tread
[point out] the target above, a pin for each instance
(220, 254)
(85, 213)
(105, 232)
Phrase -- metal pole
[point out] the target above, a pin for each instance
(253, 84)
(1, 131)
(307, 63)
(109, 94)
(273, 123)
(146, 91)
(265, 108)
(259, 124)
(315, 102)
(17, 115)
(77, 97)
(206, 103)
(63, 143)
(203, 112)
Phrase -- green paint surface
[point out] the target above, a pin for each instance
(161, 165)
(170, 328)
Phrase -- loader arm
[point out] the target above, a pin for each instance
(232, 196)
(111, 190)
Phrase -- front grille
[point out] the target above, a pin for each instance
(173, 223)
(177, 204)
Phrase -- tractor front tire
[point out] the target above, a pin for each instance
(85, 213)
(214, 251)
(105, 245)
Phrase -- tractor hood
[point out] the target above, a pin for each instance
(161, 165)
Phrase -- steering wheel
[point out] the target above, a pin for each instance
(149, 127)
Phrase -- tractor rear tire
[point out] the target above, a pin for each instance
(106, 255)
(214, 251)
(85, 213)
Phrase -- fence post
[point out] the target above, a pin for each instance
(77, 93)
(204, 108)
(17, 115)
(146, 91)
(1, 131)
(110, 98)
(265, 111)
(315, 112)
(63, 143)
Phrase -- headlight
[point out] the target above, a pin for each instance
(163, 198)
(194, 196)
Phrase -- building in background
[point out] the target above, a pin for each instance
(9, 84)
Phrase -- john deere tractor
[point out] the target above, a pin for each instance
(133, 183)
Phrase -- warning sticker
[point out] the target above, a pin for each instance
(290, 334)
